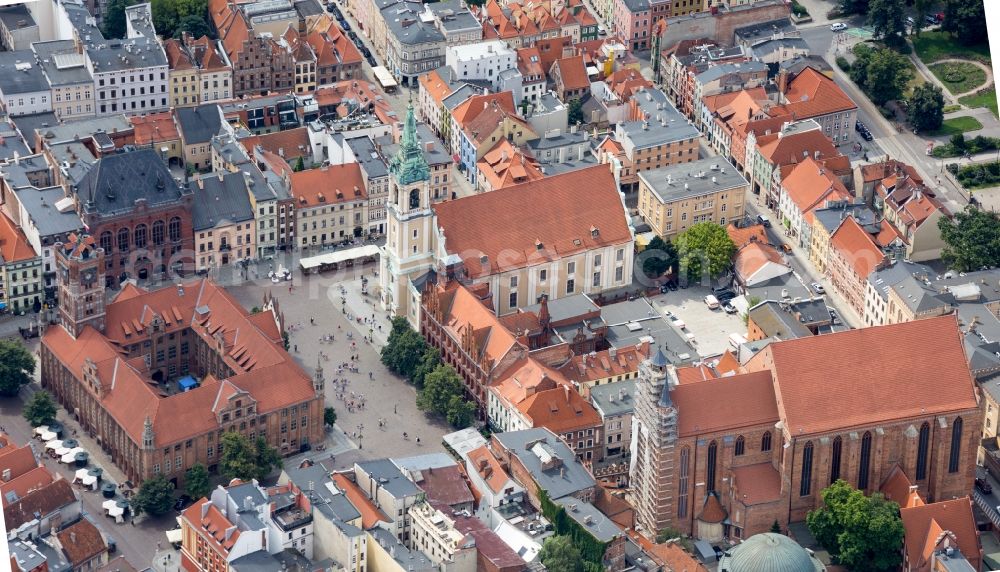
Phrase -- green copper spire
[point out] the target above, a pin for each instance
(409, 165)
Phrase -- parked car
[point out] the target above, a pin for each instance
(931, 19)
(838, 27)
(834, 317)
(859, 126)
(786, 248)
(367, 53)
(729, 308)
(761, 219)
(725, 297)
(344, 24)
(910, 21)
(818, 288)
(939, 16)
(371, 60)
(866, 135)
(712, 302)
(983, 485)
(182, 503)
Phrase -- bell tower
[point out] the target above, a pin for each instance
(408, 253)
(80, 281)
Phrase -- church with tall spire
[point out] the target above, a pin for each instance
(407, 260)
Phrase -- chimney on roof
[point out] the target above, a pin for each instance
(566, 392)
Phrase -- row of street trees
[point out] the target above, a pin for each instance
(440, 390)
(705, 248)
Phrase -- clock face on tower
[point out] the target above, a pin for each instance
(88, 276)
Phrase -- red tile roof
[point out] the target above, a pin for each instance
(559, 410)
(855, 245)
(756, 484)
(812, 94)
(898, 488)
(17, 460)
(81, 542)
(212, 526)
(749, 402)
(791, 148)
(14, 245)
(371, 515)
(924, 527)
(568, 213)
(743, 236)
(255, 356)
(463, 311)
(591, 367)
(753, 257)
(290, 143)
(571, 72)
(44, 501)
(913, 369)
(328, 185)
(810, 185)
(20, 486)
(489, 468)
(154, 128)
(505, 165)
(445, 485)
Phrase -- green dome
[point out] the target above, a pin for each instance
(769, 552)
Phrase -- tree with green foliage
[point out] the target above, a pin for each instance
(658, 257)
(16, 367)
(881, 73)
(958, 141)
(926, 109)
(461, 412)
(171, 17)
(196, 481)
(920, 10)
(848, 7)
(559, 554)
(575, 113)
(195, 25)
(965, 20)
(705, 248)
(155, 496)
(428, 362)
(404, 349)
(300, 165)
(40, 409)
(239, 457)
(266, 458)
(860, 532)
(286, 340)
(972, 239)
(775, 527)
(329, 416)
(114, 25)
(887, 19)
(443, 394)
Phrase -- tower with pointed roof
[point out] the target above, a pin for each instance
(319, 384)
(80, 282)
(407, 262)
(652, 472)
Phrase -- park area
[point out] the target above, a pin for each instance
(957, 125)
(959, 77)
(964, 70)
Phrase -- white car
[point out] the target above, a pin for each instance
(838, 27)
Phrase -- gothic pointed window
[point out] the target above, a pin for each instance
(106, 241)
(123, 236)
(158, 232)
(740, 446)
(682, 482)
(710, 471)
(923, 442)
(956, 445)
(838, 445)
(805, 486)
(765, 442)
(864, 462)
(174, 229)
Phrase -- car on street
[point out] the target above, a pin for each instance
(366, 51)
(729, 308)
(834, 317)
(910, 21)
(712, 302)
(866, 135)
(371, 60)
(818, 288)
(182, 503)
(725, 297)
(931, 19)
(344, 24)
(761, 219)
(983, 485)
(838, 27)
(786, 248)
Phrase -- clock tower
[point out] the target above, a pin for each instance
(80, 281)
(408, 255)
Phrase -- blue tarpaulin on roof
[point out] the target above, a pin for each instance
(187, 382)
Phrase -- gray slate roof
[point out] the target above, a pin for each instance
(396, 483)
(61, 64)
(652, 324)
(682, 181)
(16, 16)
(29, 79)
(590, 519)
(123, 55)
(368, 157)
(325, 497)
(438, 155)
(613, 399)
(715, 72)
(556, 482)
(116, 181)
(40, 205)
(665, 125)
(410, 560)
(220, 200)
(773, 320)
(403, 21)
(199, 124)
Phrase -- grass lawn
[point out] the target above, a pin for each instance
(958, 125)
(916, 81)
(959, 77)
(935, 45)
(950, 108)
(987, 98)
